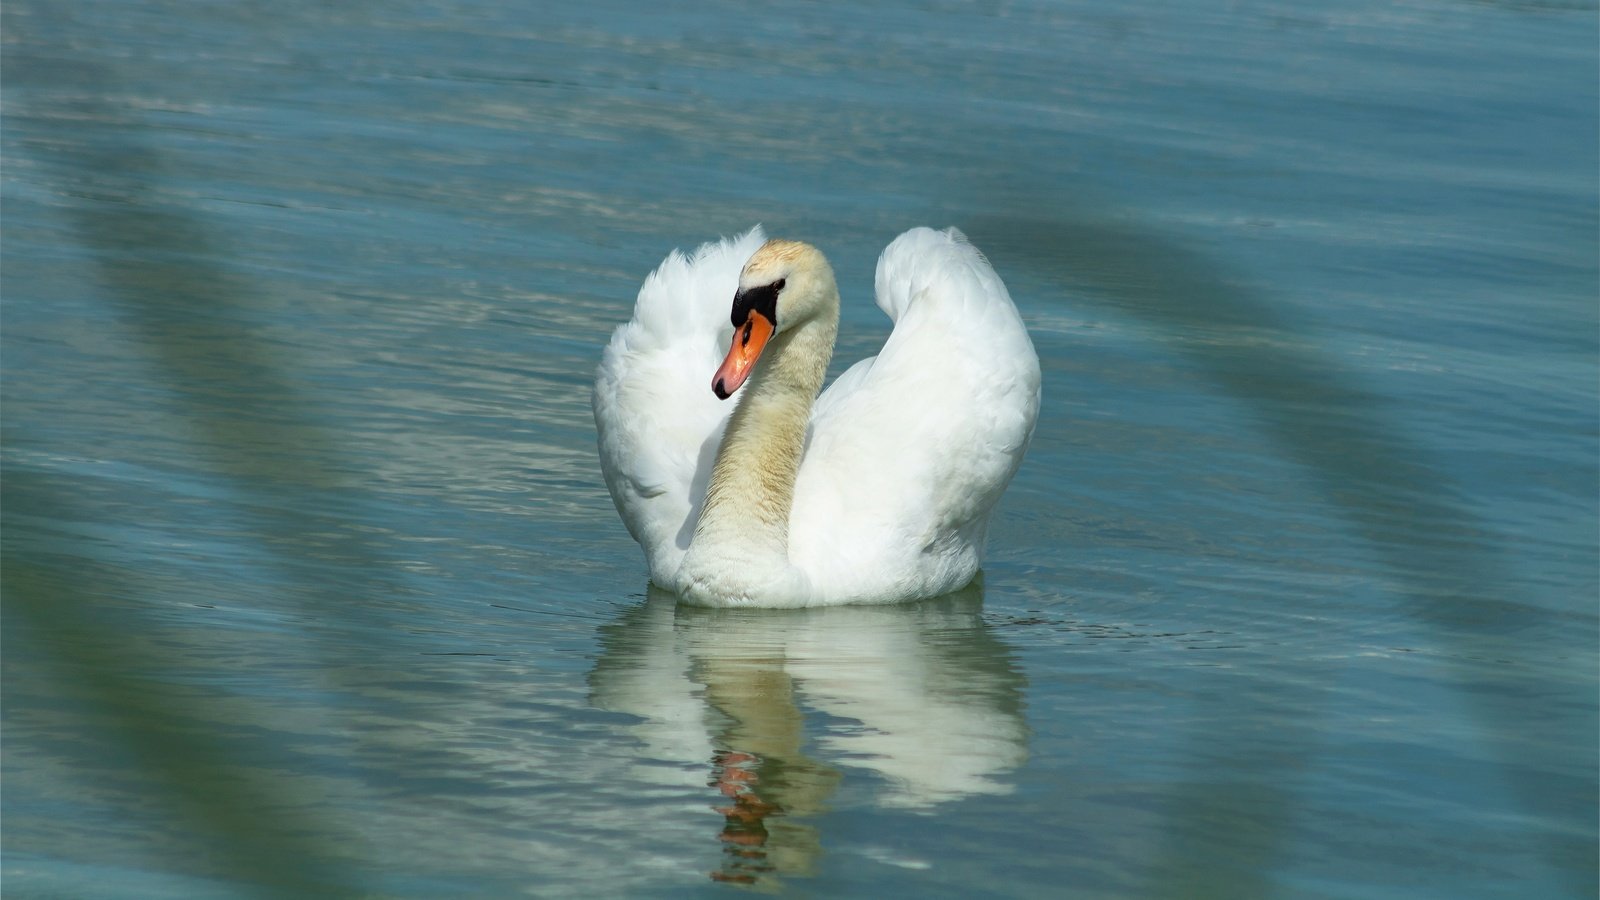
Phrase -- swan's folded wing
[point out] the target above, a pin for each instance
(909, 452)
(658, 421)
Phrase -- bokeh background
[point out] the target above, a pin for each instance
(312, 587)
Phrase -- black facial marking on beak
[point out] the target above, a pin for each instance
(763, 299)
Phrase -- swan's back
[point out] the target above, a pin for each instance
(909, 451)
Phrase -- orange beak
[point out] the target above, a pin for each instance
(748, 342)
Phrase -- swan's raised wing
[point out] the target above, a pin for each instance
(908, 451)
(659, 423)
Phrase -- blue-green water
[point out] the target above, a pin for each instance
(312, 585)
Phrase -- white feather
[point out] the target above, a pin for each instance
(657, 419)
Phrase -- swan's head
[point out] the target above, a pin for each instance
(784, 285)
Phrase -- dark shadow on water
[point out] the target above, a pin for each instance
(921, 697)
(1450, 568)
(77, 621)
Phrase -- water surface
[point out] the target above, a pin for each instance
(312, 585)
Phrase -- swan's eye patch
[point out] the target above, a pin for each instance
(763, 300)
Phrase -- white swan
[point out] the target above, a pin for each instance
(879, 491)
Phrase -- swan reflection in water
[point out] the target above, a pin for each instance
(775, 709)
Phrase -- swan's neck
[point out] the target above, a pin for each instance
(741, 542)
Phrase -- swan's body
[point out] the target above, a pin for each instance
(877, 491)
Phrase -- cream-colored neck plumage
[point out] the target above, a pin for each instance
(741, 540)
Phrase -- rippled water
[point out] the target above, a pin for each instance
(312, 585)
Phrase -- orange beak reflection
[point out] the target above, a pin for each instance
(748, 342)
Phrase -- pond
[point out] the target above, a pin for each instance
(312, 585)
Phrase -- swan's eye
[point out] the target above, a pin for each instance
(778, 285)
(744, 341)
